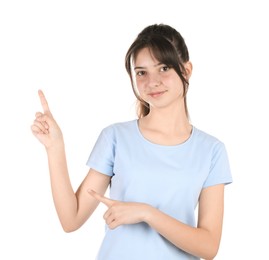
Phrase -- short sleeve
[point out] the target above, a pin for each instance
(102, 156)
(219, 172)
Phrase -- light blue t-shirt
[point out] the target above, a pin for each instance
(169, 178)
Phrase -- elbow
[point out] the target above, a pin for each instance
(211, 252)
(209, 256)
(70, 224)
(210, 247)
(67, 228)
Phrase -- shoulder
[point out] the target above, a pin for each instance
(206, 140)
(120, 127)
(212, 148)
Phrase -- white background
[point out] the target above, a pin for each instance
(74, 51)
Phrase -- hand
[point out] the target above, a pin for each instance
(44, 127)
(121, 213)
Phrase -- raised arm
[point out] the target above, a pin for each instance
(73, 209)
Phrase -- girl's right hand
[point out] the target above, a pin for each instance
(44, 127)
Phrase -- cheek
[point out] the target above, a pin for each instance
(136, 84)
(139, 86)
(177, 85)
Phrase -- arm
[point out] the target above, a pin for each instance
(73, 209)
(202, 241)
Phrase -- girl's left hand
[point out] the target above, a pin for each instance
(122, 213)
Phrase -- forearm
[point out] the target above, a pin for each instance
(196, 241)
(63, 194)
(47, 131)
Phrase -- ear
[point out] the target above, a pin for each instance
(188, 69)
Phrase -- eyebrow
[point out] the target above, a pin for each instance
(139, 67)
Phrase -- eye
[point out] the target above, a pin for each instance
(165, 68)
(140, 73)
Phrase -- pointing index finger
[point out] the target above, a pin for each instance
(43, 101)
(108, 202)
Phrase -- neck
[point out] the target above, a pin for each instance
(169, 120)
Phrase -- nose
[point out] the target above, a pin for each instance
(154, 80)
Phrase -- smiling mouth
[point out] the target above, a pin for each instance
(157, 94)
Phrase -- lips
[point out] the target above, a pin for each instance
(157, 93)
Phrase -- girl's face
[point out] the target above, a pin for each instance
(156, 83)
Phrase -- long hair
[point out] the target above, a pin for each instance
(168, 47)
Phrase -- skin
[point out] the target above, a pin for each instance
(166, 124)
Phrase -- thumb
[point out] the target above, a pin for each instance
(108, 202)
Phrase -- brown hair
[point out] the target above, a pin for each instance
(168, 47)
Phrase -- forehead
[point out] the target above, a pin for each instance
(143, 57)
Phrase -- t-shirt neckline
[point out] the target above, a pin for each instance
(145, 140)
